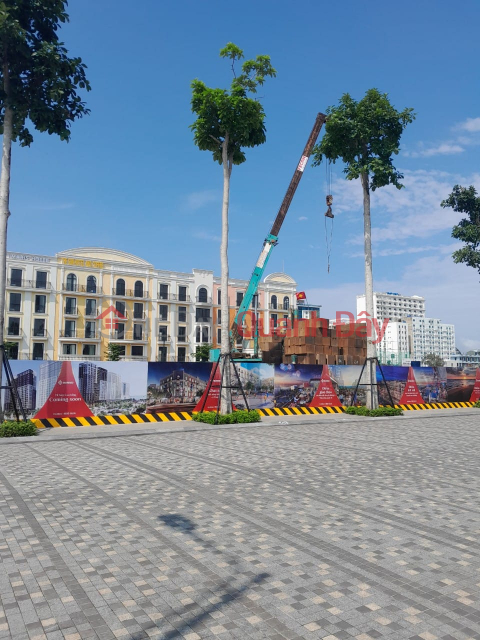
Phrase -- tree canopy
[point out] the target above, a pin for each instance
(465, 200)
(39, 81)
(365, 135)
(433, 360)
(231, 113)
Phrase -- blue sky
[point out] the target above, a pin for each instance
(131, 177)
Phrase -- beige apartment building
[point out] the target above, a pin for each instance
(71, 306)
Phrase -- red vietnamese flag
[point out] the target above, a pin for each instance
(411, 394)
(65, 400)
(301, 295)
(476, 388)
(325, 395)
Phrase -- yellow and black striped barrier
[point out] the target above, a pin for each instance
(179, 416)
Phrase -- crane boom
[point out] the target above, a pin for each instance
(272, 238)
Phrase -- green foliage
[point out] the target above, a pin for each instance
(12, 429)
(113, 352)
(381, 412)
(230, 115)
(202, 352)
(211, 417)
(432, 360)
(9, 345)
(364, 135)
(465, 200)
(42, 82)
(477, 404)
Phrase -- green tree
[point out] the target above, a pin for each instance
(114, 352)
(432, 360)
(465, 200)
(228, 122)
(38, 87)
(365, 135)
(202, 352)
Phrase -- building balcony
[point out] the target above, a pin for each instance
(38, 333)
(82, 288)
(139, 317)
(166, 359)
(93, 313)
(174, 297)
(78, 357)
(203, 300)
(29, 356)
(182, 339)
(204, 320)
(28, 284)
(129, 336)
(71, 311)
(163, 337)
(129, 293)
(14, 333)
(134, 358)
(79, 334)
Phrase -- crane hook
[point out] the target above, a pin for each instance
(329, 213)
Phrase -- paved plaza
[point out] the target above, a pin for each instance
(330, 528)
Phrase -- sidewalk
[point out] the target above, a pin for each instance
(113, 431)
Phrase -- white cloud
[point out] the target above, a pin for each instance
(398, 251)
(470, 124)
(444, 148)
(413, 211)
(303, 218)
(199, 199)
(203, 235)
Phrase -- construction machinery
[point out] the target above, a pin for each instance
(270, 242)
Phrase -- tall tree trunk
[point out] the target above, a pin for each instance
(4, 208)
(226, 399)
(370, 369)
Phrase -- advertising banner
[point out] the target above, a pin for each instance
(475, 397)
(460, 383)
(51, 389)
(176, 386)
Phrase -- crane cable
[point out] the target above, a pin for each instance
(328, 214)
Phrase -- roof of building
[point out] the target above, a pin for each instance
(103, 253)
(279, 277)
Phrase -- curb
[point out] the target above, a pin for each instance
(147, 418)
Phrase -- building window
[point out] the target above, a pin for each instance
(163, 312)
(182, 294)
(273, 302)
(162, 354)
(120, 287)
(138, 310)
(121, 350)
(91, 307)
(39, 327)
(162, 333)
(13, 327)
(16, 277)
(197, 334)
(120, 331)
(219, 316)
(182, 334)
(15, 302)
(163, 292)
(69, 328)
(202, 314)
(138, 289)
(90, 330)
(89, 349)
(12, 351)
(71, 282)
(37, 353)
(41, 279)
(137, 332)
(219, 296)
(239, 298)
(202, 295)
(70, 306)
(181, 353)
(69, 349)
(274, 319)
(286, 303)
(182, 314)
(137, 350)
(205, 334)
(91, 284)
(219, 337)
(40, 304)
(121, 308)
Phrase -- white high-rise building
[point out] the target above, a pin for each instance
(409, 334)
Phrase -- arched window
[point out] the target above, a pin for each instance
(273, 302)
(202, 295)
(286, 303)
(138, 289)
(197, 334)
(120, 287)
(71, 282)
(91, 284)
